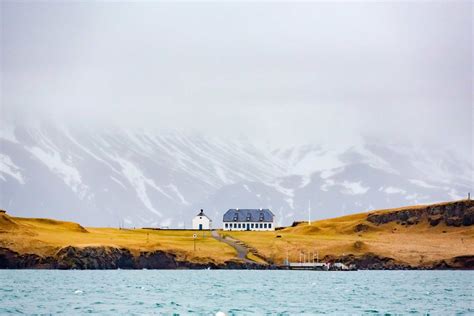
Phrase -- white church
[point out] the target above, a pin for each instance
(202, 222)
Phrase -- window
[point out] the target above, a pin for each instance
(265, 225)
(269, 225)
(251, 225)
(240, 226)
(261, 225)
(226, 225)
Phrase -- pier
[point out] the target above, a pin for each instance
(319, 266)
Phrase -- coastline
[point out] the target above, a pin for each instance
(109, 258)
(422, 237)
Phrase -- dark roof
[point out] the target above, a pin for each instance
(248, 215)
(201, 213)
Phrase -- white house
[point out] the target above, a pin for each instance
(249, 219)
(202, 222)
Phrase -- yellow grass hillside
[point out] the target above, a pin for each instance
(414, 244)
(45, 237)
(417, 236)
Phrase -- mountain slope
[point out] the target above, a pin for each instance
(129, 178)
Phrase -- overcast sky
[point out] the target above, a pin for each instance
(288, 72)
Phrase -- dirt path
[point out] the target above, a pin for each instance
(241, 250)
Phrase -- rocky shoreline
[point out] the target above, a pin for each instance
(457, 214)
(371, 261)
(107, 258)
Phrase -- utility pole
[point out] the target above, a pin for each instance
(309, 212)
(468, 196)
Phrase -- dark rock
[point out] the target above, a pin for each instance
(454, 221)
(112, 258)
(94, 258)
(458, 263)
(156, 260)
(435, 219)
(468, 218)
(452, 214)
(412, 221)
(361, 228)
(369, 261)
(10, 259)
(240, 265)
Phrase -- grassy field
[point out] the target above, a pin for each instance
(45, 237)
(415, 244)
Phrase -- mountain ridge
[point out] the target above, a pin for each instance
(119, 177)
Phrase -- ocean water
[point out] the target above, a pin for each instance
(207, 292)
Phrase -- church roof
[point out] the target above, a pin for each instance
(201, 213)
(248, 215)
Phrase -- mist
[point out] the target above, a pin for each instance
(279, 73)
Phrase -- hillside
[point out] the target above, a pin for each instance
(430, 236)
(417, 236)
(48, 238)
(138, 178)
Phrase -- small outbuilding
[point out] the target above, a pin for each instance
(202, 222)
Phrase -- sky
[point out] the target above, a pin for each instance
(287, 73)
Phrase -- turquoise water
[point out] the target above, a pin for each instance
(236, 292)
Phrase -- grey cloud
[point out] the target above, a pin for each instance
(308, 72)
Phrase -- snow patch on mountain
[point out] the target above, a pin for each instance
(392, 190)
(176, 191)
(422, 184)
(140, 182)
(7, 167)
(63, 167)
(353, 188)
(149, 178)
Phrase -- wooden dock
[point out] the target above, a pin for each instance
(319, 266)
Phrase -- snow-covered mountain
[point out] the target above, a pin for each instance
(137, 178)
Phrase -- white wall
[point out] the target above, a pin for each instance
(204, 220)
(243, 226)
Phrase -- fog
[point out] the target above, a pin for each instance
(283, 73)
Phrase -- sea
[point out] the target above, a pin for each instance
(236, 292)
